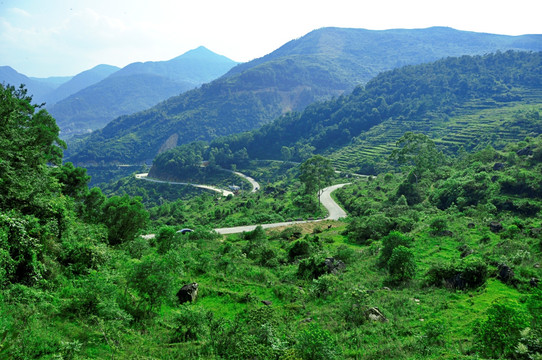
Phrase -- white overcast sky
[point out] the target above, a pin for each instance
(56, 38)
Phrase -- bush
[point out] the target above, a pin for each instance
(499, 334)
(299, 249)
(165, 240)
(361, 230)
(315, 343)
(390, 242)
(468, 274)
(401, 264)
(191, 323)
(312, 267)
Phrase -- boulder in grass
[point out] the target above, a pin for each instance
(188, 293)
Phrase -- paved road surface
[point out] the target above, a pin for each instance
(254, 183)
(335, 213)
(208, 187)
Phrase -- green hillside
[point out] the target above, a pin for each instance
(324, 63)
(466, 102)
(439, 261)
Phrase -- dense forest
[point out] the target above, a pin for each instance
(439, 257)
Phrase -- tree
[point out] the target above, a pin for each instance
(29, 142)
(74, 180)
(316, 173)
(124, 217)
(389, 243)
(401, 264)
(417, 150)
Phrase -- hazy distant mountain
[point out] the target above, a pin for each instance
(322, 64)
(52, 81)
(38, 89)
(79, 82)
(196, 66)
(136, 87)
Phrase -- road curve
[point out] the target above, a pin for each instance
(334, 210)
(208, 187)
(254, 183)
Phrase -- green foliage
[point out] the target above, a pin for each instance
(470, 273)
(419, 151)
(402, 264)
(499, 334)
(124, 218)
(165, 240)
(191, 323)
(312, 267)
(315, 173)
(20, 250)
(153, 280)
(362, 230)
(389, 243)
(28, 143)
(74, 180)
(315, 343)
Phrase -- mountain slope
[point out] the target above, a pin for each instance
(466, 102)
(37, 89)
(196, 66)
(322, 64)
(136, 87)
(79, 82)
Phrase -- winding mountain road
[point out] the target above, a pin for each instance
(143, 176)
(334, 210)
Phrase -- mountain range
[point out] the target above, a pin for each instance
(322, 64)
(89, 100)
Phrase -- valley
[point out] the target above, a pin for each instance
(267, 243)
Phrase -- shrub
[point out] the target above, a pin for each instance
(315, 343)
(499, 334)
(191, 323)
(312, 267)
(299, 249)
(390, 242)
(469, 274)
(401, 264)
(165, 240)
(361, 230)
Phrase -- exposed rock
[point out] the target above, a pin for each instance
(533, 282)
(307, 320)
(386, 288)
(266, 302)
(536, 266)
(188, 293)
(526, 151)
(506, 274)
(498, 166)
(495, 226)
(374, 314)
(333, 265)
(446, 233)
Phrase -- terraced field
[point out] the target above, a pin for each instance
(477, 124)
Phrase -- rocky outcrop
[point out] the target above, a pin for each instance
(188, 293)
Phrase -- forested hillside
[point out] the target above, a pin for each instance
(324, 63)
(438, 260)
(489, 99)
